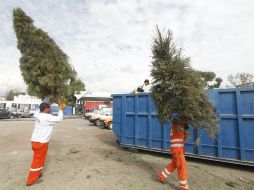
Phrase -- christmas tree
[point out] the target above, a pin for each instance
(179, 90)
(44, 66)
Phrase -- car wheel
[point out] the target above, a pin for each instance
(97, 122)
(11, 116)
(110, 126)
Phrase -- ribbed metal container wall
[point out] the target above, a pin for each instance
(135, 124)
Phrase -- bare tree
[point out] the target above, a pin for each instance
(241, 80)
(10, 95)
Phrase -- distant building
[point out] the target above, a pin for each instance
(87, 101)
(27, 101)
(21, 102)
(6, 104)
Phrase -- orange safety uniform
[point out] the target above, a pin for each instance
(177, 139)
(40, 138)
(40, 154)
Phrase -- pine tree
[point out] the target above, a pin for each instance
(178, 89)
(44, 66)
(210, 77)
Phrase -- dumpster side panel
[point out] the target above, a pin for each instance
(117, 116)
(248, 141)
(247, 124)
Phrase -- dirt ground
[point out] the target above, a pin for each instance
(82, 156)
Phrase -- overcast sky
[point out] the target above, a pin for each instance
(109, 41)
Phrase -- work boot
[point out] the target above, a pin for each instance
(37, 182)
(160, 177)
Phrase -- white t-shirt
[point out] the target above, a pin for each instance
(146, 88)
(44, 126)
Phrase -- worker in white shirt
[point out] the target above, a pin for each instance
(145, 87)
(42, 132)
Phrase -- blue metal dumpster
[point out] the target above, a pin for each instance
(66, 111)
(136, 125)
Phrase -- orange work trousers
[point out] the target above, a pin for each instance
(40, 154)
(179, 163)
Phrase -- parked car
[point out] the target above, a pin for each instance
(32, 111)
(6, 114)
(95, 118)
(100, 119)
(14, 112)
(25, 113)
(108, 123)
(89, 114)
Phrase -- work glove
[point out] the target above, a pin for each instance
(60, 102)
(62, 105)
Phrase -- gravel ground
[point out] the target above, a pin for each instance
(82, 156)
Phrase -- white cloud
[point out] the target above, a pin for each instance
(109, 42)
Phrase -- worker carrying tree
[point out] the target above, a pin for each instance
(42, 132)
(179, 95)
(178, 135)
(46, 70)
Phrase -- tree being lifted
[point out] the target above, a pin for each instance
(178, 89)
(44, 66)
